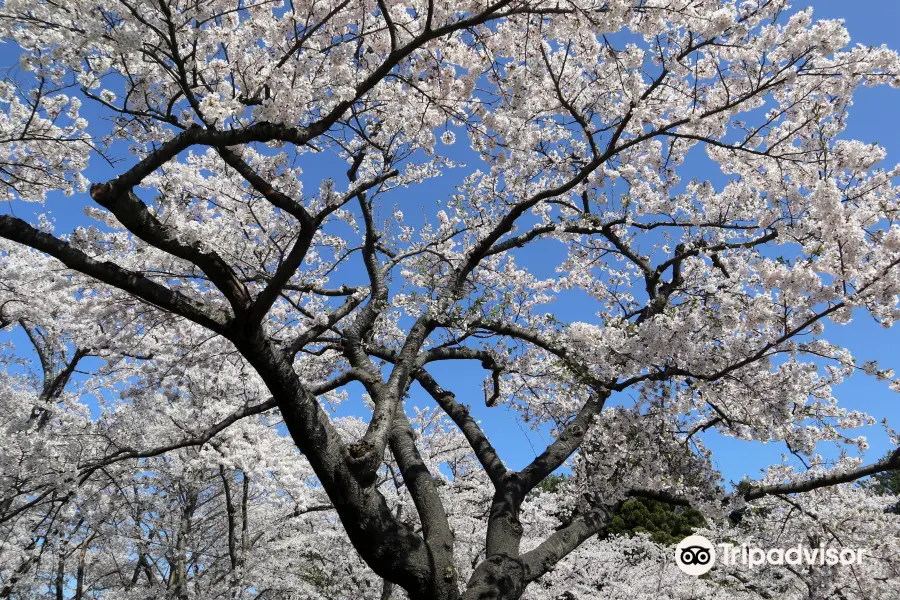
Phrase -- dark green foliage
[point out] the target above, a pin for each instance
(887, 484)
(665, 523)
(551, 483)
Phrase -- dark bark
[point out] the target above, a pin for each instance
(391, 548)
(498, 577)
(231, 513)
(80, 574)
(109, 273)
(436, 530)
(60, 582)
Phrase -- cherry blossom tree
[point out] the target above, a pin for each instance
(222, 297)
(835, 517)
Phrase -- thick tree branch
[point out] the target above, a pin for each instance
(748, 491)
(562, 542)
(137, 218)
(890, 463)
(460, 415)
(568, 441)
(435, 526)
(390, 547)
(111, 274)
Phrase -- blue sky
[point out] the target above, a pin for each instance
(874, 117)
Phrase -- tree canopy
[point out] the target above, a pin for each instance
(174, 408)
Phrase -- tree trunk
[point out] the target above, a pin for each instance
(179, 568)
(498, 577)
(61, 576)
(79, 574)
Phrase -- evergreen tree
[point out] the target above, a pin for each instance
(665, 523)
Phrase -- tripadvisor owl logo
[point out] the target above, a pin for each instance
(695, 555)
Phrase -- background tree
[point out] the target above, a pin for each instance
(887, 483)
(664, 523)
(216, 287)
